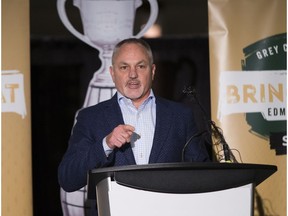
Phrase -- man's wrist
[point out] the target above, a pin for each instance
(106, 148)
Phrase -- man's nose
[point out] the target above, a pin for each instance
(133, 72)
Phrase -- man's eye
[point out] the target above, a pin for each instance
(124, 67)
(141, 66)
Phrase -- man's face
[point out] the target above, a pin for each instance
(132, 73)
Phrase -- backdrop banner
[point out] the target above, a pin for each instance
(247, 45)
(16, 166)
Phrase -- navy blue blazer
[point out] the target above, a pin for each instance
(174, 126)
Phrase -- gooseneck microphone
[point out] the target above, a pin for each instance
(212, 129)
(216, 132)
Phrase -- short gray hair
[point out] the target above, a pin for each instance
(134, 41)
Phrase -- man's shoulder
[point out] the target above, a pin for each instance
(97, 108)
(172, 104)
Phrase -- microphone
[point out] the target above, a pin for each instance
(189, 91)
(212, 128)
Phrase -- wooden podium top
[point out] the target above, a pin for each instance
(182, 177)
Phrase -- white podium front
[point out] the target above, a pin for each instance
(179, 189)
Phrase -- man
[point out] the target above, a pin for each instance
(133, 127)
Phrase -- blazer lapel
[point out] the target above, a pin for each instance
(114, 118)
(163, 123)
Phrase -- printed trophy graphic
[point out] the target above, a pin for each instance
(105, 23)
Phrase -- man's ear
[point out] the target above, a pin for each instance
(153, 70)
(111, 72)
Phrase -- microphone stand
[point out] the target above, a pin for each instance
(218, 134)
(212, 128)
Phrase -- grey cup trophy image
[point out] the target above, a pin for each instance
(105, 23)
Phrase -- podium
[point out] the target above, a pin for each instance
(177, 189)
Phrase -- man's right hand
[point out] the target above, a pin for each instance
(119, 136)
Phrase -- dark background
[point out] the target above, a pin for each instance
(62, 66)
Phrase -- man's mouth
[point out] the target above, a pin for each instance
(133, 84)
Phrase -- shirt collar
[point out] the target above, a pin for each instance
(120, 98)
